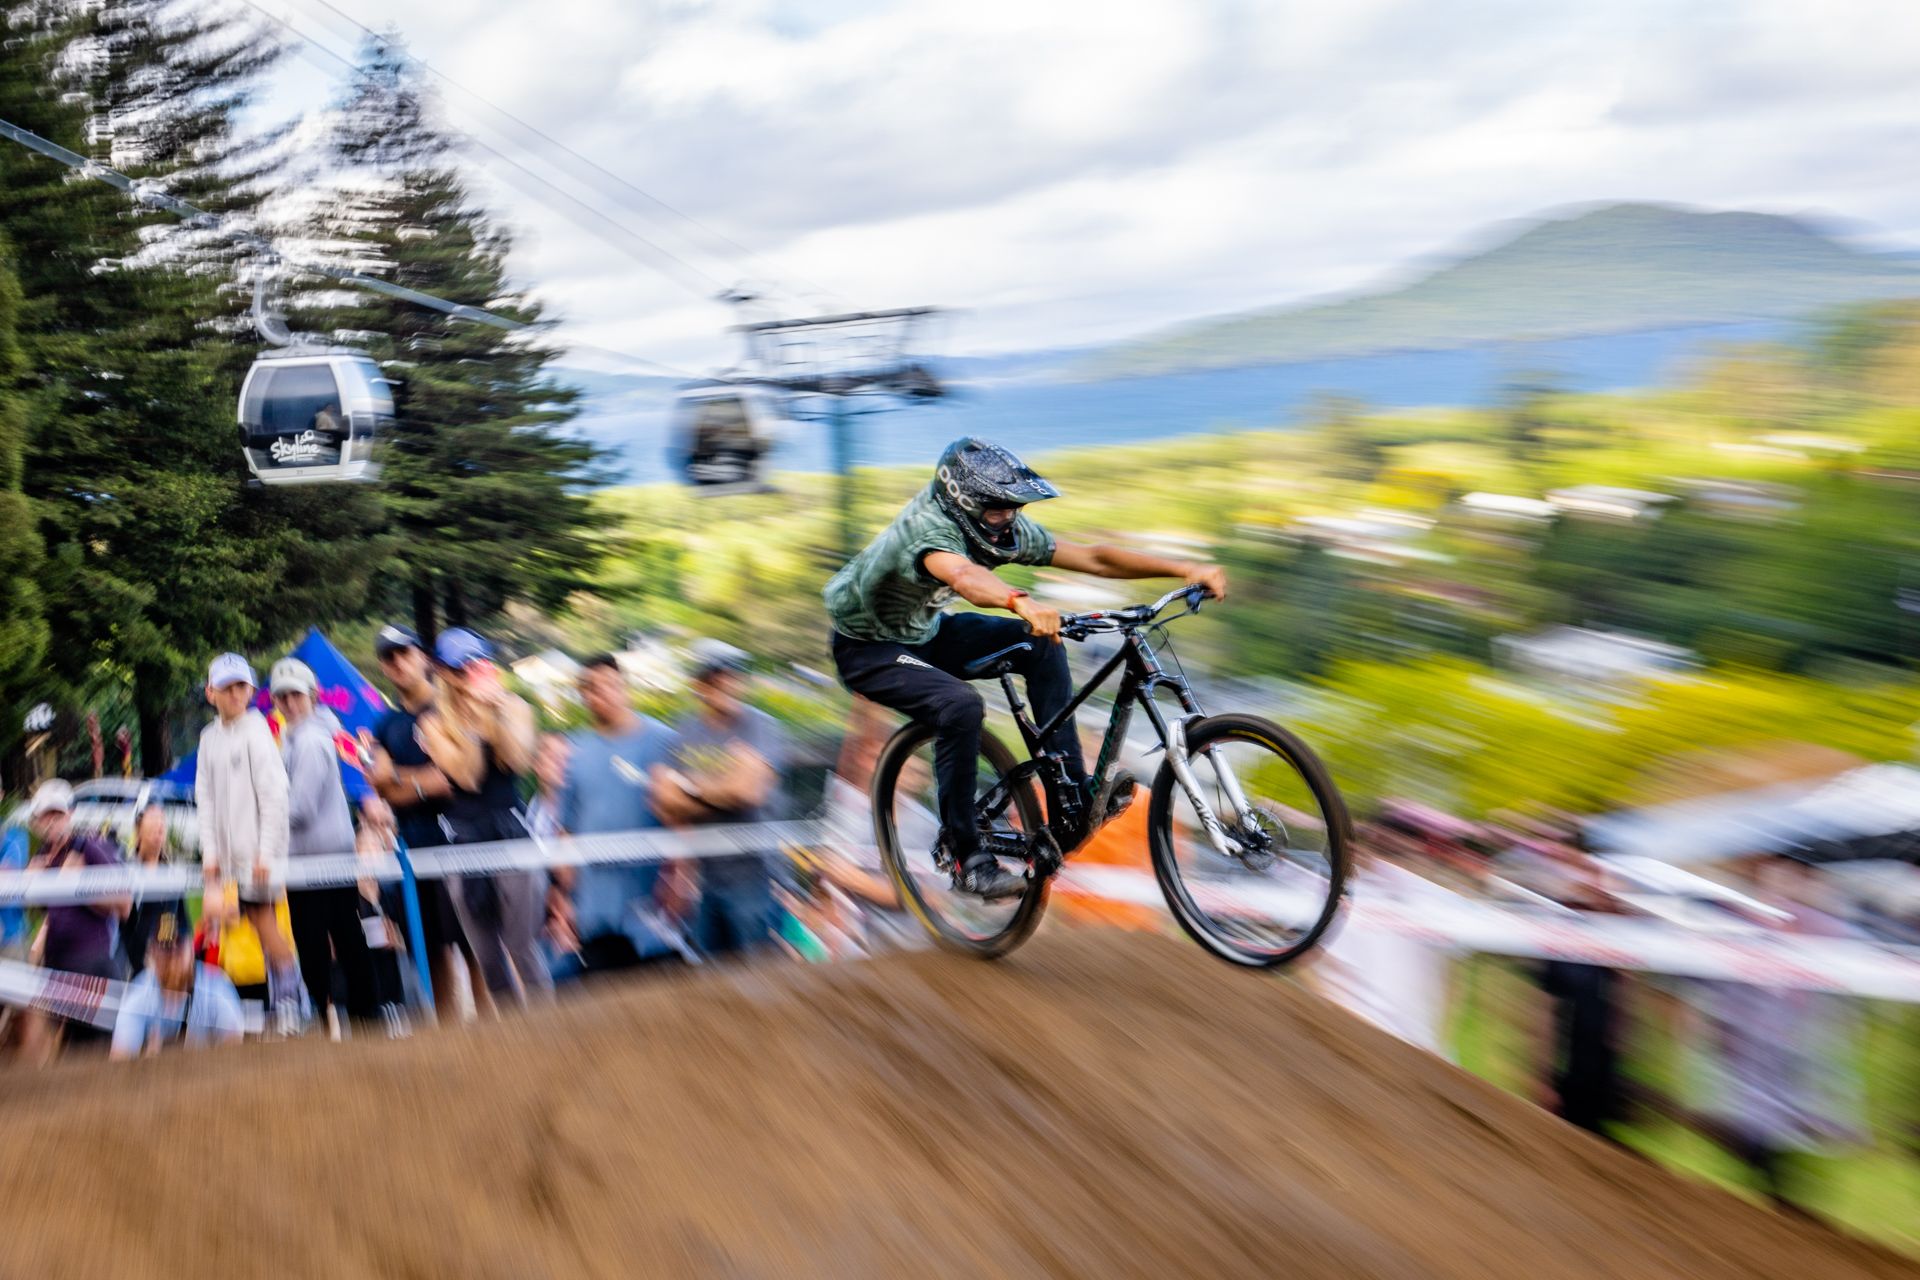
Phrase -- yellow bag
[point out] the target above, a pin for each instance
(240, 953)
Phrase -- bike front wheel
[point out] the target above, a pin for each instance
(1270, 896)
(906, 821)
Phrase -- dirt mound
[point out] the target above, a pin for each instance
(1100, 1104)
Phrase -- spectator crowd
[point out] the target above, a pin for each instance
(457, 759)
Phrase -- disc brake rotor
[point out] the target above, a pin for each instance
(1262, 841)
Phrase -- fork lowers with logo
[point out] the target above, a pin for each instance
(1248, 836)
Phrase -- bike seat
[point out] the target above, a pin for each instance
(996, 664)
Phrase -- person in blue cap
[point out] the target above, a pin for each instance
(484, 740)
(400, 771)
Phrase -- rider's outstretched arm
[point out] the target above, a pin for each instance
(1106, 561)
(977, 586)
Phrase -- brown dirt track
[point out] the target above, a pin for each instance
(1100, 1104)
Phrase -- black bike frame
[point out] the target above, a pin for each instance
(1144, 675)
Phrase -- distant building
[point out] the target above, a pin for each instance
(1371, 535)
(551, 675)
(1807, 442)
(1596, 657)
(1741, 498)
(1609, 502)
(1508, 506)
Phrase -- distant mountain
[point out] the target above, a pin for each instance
(1617, 269)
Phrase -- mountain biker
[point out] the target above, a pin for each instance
(893, 643)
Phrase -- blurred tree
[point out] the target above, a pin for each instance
(23, 627)
(1340, 423)
(1295, 608)
(1471, 740)
(1524, 415)
(1871, 352)
(487, 494)
(1758, 387)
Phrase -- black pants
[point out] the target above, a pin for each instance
(923, 681)
(326, 928)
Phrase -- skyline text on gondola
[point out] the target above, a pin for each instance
(305, 447)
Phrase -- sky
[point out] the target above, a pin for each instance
(1069, 172)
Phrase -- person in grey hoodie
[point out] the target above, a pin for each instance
(326, 921)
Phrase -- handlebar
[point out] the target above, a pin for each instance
(1078, 626)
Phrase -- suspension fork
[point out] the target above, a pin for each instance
(1176, 739)
(1230, 783)
(1174, 735)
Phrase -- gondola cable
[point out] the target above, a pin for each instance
(308, 414)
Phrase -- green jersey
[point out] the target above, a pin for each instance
(886, 593)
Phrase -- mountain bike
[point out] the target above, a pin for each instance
(1247, 832)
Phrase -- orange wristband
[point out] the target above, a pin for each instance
(1012, 595)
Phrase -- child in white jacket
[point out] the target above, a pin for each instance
(241, 791)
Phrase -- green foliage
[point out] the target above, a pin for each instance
(23, 628)
(1458, 735)
(1340, 422)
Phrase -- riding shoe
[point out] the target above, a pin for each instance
(985, 878)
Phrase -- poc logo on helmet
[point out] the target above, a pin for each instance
(954, 491)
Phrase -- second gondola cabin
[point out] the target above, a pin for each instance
(314, 416)
(722, 433)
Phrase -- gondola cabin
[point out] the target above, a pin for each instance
(722, 433)
(314, 416)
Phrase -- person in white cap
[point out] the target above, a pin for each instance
(76, 938)
(326, 919)
(241, 795)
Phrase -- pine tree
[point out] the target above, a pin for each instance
(484, 488)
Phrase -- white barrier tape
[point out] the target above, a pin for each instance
(71, 995)
(1438, 916)
(1446, 919)
(95, 884)
(680, 845)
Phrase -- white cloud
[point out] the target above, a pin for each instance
(1076, 170)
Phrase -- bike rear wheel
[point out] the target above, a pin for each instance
(906, 822)
(1269, 903)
